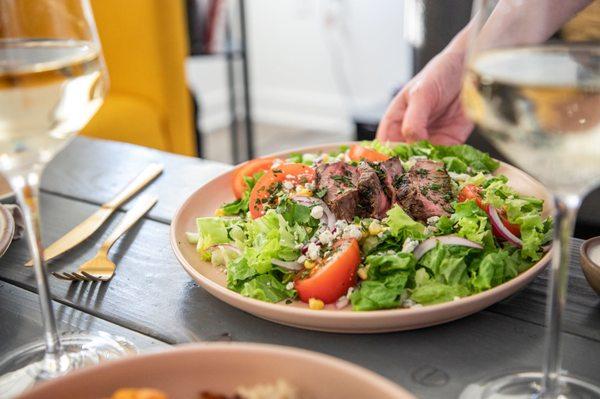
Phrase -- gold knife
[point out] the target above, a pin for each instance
(86, 228)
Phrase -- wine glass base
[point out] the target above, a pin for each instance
(27, 365)
(527, 385)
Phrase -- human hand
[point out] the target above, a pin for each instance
(429, 106)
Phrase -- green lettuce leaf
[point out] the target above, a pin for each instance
(296, 214)
(240, 206)
(496, 268)
(472, 223)
(455, 164)
(266, 287)
(447, 264)
(403, 226)
(478, 161)
(434, 292)
(387, 276)
(524, 211)
(211, 231)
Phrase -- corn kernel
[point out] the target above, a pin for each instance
(325, 157)
(362, 273)
(316, 304)
(219, 212)
(305, 192)
(375, 228)
(309, 264)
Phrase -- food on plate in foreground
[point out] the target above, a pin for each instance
(373, 226)
(281, 389)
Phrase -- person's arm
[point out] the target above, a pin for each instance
(428, 107)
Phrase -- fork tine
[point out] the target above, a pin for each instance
(62, 276)
(92, 277)
(77, 276)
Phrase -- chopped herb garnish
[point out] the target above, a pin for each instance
(321, 192)
(424, 190)
(422, 172)
(434, 186)
(398, 181)
(343, 179)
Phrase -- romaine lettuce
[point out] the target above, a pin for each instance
(472, 223)
(266, 287)
(387, 277)
(403, 226)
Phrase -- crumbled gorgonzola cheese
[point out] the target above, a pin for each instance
(409, 245)
(317, 212)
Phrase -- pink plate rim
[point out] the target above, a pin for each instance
(378, 382)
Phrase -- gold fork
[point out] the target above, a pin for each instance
(100, 268)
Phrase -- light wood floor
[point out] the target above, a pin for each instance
(268, 139)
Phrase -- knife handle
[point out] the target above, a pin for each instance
(131, 217)
(147, 175)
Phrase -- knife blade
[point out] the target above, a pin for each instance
(86, 228)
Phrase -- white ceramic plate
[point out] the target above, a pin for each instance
(184, 372)
(210, 196)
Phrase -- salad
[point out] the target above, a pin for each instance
(373, 226)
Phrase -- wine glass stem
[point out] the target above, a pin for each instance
(564, 223)
(26, 187)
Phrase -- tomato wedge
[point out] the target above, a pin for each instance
(249, 169)
(297, 173)
(470, 191)
(331, 280)
(358, 152)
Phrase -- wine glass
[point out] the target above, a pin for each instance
(538, 100)
(52, 81)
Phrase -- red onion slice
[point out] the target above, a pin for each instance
(328, 217)
(501, 228)
(342, 302)
(293, 266)
(225, 246)
(430, 243)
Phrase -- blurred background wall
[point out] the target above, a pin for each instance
(313, 63)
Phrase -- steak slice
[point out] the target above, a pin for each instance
(425, 190)
(341, 182)
(390, 172)
(372, 201)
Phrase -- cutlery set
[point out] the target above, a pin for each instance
(101, 268)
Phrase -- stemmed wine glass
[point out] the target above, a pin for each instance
(52, 81)
(540, 106)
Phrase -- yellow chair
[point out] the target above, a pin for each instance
(145, 46)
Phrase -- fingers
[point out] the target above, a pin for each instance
(451, 135)
(390, 126)
(422, 98)
(453, 128)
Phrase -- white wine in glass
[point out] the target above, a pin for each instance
(49, 90)
(546, 116)
(538, 101)
(52, 81)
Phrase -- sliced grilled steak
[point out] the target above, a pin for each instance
(390, 172)
(425, 190)
(341, 182)
(372, 201)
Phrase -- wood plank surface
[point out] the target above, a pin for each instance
(152, 294)
(96, 170)
(21, 322)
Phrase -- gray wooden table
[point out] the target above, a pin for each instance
(152, 301)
